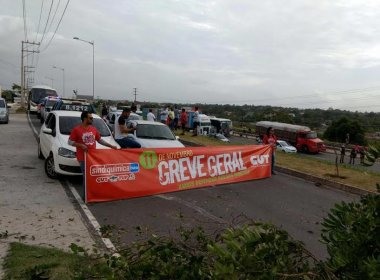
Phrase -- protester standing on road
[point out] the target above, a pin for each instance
(150, 116)
(352, 156)
(177, 115)
(170, 120)
(270, 139)
(362, 154)
(164, 115)
(104, 112)
(84, 137)
(121, 131)
(195, 121)
(183, 120)
(342, 153)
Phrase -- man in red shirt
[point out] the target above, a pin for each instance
(183, 120)
(84, 137)
(271, 139)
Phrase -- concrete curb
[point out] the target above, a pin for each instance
(324, 181)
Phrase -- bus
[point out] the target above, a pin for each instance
(36, 94)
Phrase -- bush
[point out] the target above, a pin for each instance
(352, 235)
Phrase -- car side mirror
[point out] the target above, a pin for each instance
(47, 131)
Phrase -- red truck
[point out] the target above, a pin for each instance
(302, 137)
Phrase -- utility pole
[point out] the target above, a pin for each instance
(28, 80)
(135, 94)
(24, 48)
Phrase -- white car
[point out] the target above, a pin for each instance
(46, 106)
(114, 114)
(284, 146)
(60, 157)
(153, 135)
(221, 137)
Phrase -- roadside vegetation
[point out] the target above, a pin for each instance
(251, 251)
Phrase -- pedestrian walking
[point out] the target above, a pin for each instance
(271, 139)
(183, 120)
(342, 153)
(150, 116)
(121, 131)
(84, 137)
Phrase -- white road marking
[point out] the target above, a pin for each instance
(107, 242)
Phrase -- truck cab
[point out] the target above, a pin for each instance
(308, 142)
(204, 126)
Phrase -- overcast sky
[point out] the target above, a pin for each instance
(294, 53)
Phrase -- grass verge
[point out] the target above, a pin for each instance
(358, 177)
(34, 262)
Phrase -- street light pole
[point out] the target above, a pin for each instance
(63, 71)
(93, 64)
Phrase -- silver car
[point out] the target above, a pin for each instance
(285, 147)
(4, 112)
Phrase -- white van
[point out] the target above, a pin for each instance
(4, 112)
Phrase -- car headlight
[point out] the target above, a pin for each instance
(63, 152)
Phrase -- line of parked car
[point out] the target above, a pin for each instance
(59, 116)
(60, 158)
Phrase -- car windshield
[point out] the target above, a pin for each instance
(151, 131)
(311, 135)
(50, 103)
(284, 144)
(2, 104)
(66, 124)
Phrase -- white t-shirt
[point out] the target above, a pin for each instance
(164, 115)
(118, 134)
(196, 116)
(151, 117)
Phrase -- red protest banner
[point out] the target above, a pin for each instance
(120, 174)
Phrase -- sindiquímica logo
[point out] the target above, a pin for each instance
(114, 169)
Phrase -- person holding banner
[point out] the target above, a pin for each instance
(84, 137)
(271, 139)
(121, 131)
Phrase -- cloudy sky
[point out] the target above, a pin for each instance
(294, 53)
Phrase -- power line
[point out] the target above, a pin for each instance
(55, 31)
(55, 12)
(47, 22)
(38, 28)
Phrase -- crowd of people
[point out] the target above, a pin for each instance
(354, 152)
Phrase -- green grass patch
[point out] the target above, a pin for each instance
(35, 262)
(358, 177)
